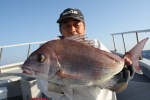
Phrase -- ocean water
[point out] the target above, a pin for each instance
(146, 54)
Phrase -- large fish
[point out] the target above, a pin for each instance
(74, 61)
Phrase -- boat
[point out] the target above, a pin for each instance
(15, 86)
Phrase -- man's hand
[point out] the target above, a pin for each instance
(128, 71)
(128, 62)
(126, 74)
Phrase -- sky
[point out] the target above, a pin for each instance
(24, 21)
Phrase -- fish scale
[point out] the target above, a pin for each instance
(82, 62)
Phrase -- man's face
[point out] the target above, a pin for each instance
(70, 27)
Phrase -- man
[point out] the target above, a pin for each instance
(71, 22)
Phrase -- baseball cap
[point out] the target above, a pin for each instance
(71, 13)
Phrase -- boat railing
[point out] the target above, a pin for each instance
(10, 67)
(28, 50)
(129, 32)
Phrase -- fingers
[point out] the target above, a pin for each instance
(128, 62)
(126, 74)
(131, 69)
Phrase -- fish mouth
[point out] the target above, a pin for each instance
(28, 71)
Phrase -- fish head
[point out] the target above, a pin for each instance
(38, 64)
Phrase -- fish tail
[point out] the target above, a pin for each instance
(135, 53)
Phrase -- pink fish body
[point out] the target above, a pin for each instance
(73, 61)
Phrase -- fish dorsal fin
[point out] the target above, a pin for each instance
(76, 37)
(81, 39)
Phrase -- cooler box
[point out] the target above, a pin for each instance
(29, 88)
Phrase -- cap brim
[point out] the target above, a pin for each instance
(61, 19)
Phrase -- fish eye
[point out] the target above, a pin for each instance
(40, 58)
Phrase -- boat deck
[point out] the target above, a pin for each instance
(137, 89)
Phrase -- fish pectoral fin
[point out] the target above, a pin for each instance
(68, 91)
(109, 83)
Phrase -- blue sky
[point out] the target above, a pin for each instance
(23, 21)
